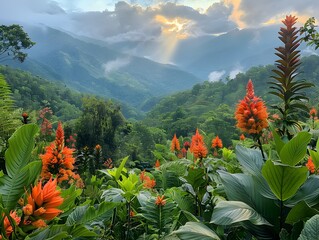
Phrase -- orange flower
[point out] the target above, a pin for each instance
(175, 146)
(58, 159)
(217, 142)
(98, 147)
(147, 181)
(157, 164)
(242, 137)
(313, 112)
(198, 147)
(251, 113)
(7, 225)
(160, 201)
(39, 223)
(132, 214)
(43, 202)
(310, 165)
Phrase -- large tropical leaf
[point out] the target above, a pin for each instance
(229, 212)
(310, 231)
(301, 211)
(195, 231)
(284, 180)
(308, 192)
(21, 172)
(295, 150)
(251, 160)
(86, 214)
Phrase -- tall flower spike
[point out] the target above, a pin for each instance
(175, 146)
(251, 113)
(198, 147)
(58, 160)
(217, 142)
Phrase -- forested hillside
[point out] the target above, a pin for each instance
(210, 106)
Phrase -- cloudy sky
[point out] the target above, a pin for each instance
(114, 20)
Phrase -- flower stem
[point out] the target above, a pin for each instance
(261, 148)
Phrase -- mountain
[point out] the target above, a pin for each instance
(92, 68)
(216, 57)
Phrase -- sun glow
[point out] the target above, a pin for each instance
(278, 19)
(173, 30)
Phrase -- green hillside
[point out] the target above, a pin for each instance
(210, 106)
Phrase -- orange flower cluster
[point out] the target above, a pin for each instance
(175, 146)
(58, 160)
(251, 113)
(7, 225)
(160, 201)
(42, 204)
(217, 142)
(198, 147)
(313, 113)
(310, 165)
(147, 181)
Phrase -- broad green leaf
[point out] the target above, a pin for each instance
(310, 231)
(86, 214)
(54, 232)
(295, 150)
(284, 180)
(308, 192)
(315, 157)
(195, 231)
(299, 212)
(21, 172)
(120, 168)
(113, 195)
(279, 144)
(250, 159)
(229, 212)
(21, 144)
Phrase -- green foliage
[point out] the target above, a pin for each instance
(310, 230)
(21, 172)
(88, 214)
(311, 36)
(12, 41)
(159, 217)
(98, 124)
(284, 180)
(195, 231)
(229, 212)
(34, 93)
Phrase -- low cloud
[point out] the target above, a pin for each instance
(115, 65)
(216, 76)
(233, 73)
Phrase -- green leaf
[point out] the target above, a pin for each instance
(279, 143)
(308, 192)
(229, 212)
(195, 231)
(54, 232)
(295, 150)
(113, 195)
(284, 180)
(21, 144)
(310, 231)
(86, 214)
(21, 172)
(315, 157)
(250, 159)
(299, 212)
(120, 168)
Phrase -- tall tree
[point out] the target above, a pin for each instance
(98, 123)
(12, 41)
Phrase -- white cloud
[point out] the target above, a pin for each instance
(233, 73)
(115, 65)
(216, 76)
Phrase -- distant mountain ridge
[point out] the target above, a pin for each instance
(99, 70)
